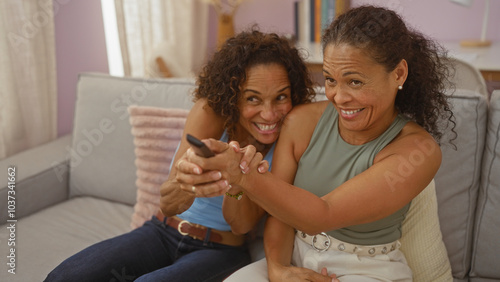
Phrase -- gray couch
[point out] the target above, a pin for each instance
(80, 189)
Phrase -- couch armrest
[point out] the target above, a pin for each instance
(41, 178)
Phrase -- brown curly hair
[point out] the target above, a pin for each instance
(220, 80)
(385, 37)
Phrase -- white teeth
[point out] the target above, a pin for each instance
(350, 112)
(266, 127)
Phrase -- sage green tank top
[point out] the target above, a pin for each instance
(329, 161)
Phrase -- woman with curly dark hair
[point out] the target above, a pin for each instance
(221, 79)
(346, 170)
(244, 93)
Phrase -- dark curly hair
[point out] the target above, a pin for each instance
(383, 35)
(220, 80)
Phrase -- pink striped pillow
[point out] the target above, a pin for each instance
(157, 132)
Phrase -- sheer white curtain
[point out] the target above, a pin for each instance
(28, 90)
(176, 30)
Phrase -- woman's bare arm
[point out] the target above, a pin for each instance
(374, 194)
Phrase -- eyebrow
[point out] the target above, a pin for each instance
(353, 72)
(347, 73)
(257, 92)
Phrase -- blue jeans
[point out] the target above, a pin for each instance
(153, 252)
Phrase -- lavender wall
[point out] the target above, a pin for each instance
(80, 47)
(441, 19)
(80, 43)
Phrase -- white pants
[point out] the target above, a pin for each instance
(348, 267)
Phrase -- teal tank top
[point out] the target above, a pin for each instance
(329, 161)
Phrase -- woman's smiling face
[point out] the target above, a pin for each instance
(264, 102)
(362, 91)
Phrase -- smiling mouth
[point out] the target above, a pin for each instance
(266, 127)
(351, 112)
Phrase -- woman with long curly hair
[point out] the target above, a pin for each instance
(346, 170)
(243, 93)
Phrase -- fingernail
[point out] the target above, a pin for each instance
(261, 169)
(227, 184)
(197, 171)
(218, 175)
(243, 165)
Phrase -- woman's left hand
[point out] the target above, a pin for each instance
(249, 152)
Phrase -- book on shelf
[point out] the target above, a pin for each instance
(313, 16)
(302, 21)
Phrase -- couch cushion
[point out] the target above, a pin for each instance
(36, 169)
(457, 181)
(421, 240)
(102, 152)
(157, 133)
(45, 239)
(486, 246)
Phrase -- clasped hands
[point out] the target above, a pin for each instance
(225, 172)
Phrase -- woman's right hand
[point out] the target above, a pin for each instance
(191, 177)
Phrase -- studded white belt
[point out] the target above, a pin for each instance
(323, 242)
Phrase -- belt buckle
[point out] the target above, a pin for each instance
(180, 226)
(327, 242)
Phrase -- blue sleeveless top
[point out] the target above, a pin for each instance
(208, 211)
